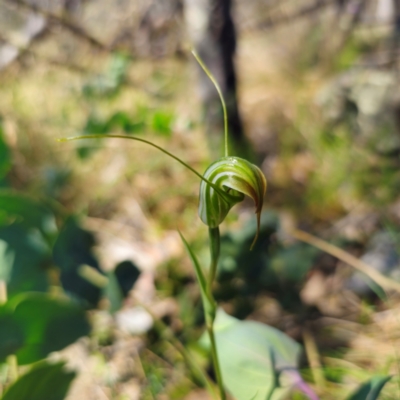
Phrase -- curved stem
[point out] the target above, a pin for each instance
(214, 251)
(71, 138)
(215, 242)
(214, 81)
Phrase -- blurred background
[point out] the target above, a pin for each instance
(312, 89)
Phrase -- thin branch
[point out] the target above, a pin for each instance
(303, 12)
(24, 50)
(65, 23)
(313, 358)
(221, 96)
(346, 258)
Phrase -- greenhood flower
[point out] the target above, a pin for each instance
(235, 177)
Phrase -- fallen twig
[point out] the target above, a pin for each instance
(346, 257)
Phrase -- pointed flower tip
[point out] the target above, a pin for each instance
(236, 178)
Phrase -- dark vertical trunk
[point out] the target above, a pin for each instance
(396, 34)
(213, 33)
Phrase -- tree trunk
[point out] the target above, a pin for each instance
(396, 34)
(213, 34)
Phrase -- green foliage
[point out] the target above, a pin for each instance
(126, 273)
(253, 356)
(12, 336)
(113, 293)
(5, 155)
(37, 324)
(119, 283)
(119, 120)
(27, 231)
(108, 84)
(158, 121)
(29, 212)
(208, 302)
(43, 381)
(23, 259)
(352, 50)
(162, 122)
(290, 265)
(279, 269)
(73, 249)
(371, 389)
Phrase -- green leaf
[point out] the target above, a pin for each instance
(371, 389)
(127, 274)
(12, 337)
(207, 302)
(27, 231)
(253, 358)
(291, 264)
(37, 324)
(24, 257)
(162, 122)
(123, 121)
(73, 249)
(7, 257)
(28, 211)
(43, 382)
(113, 293)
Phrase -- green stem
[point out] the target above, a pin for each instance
(216, 188)
(214, 355)
(214, 250)
(215, 242)
(214, 81)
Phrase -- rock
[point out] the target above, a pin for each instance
(368, 101)
(135, 321)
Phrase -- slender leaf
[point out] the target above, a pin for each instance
(207, 302)
(371, 389)
(113, 293)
